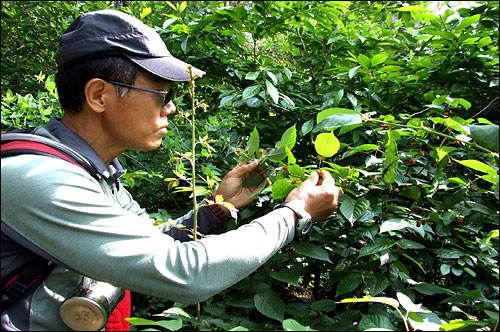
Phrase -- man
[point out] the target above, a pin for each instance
(114, 79)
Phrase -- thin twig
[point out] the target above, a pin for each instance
(481, 111)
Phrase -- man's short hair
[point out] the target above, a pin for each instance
(71, 80)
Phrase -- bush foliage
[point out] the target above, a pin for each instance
(397, 100)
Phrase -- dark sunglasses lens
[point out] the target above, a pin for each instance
(169, 96)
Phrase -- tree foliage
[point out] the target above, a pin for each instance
(398, 100)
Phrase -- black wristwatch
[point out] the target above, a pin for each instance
(304, 219)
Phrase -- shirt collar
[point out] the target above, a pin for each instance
(76, 142)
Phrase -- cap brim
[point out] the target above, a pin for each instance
(167, 67)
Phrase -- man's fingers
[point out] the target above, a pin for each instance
(327, 179)
(312, 180)
(245, 168)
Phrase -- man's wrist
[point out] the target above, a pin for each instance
(303, 220)
(218, 210)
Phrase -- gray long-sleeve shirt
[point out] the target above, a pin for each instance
(98, 230)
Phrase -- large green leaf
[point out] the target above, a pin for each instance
(273, 92)
(349, 283)
(337, 120)
(353, 209)
(253, 143)
(336, 110)
(326, 144)
(376, 323)
(486, 135)
(290, 276)
(250, 91)
(381, 243)
(289, 138)
(270, 304)
(292, 325)
(311, 250)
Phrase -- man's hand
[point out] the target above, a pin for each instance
(319, 197)
(231, 188)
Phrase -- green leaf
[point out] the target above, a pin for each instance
(352, 209)
(376, 323)
(486, 135)
(292, 325)
(381, 243)
(408, 244)
(364, 61)
(281, 188)
(337, 120)
(326, 144)
(184, 44)
(367, 299)
(348, 284)
(253, 143)
(288, 138)
(296, 170)
(273, 92)
(269, 304)
(287, 275)
(413, 9)
(361, 148)
(259, 189)
(310, 250)
(250, 91)
(325, 305)
(252, 75)
(288, 73)
(477, 165)
(378, 59)
(272, 77)
(463, 325)
(353, 71)
(145, 12)
(430, 289)
(468, 21)
(307, 127)
(331, 111)
(408, 304)
(425, 321)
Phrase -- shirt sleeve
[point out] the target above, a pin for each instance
(63, 210)
(208, 223)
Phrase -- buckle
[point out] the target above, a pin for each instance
(16, 289)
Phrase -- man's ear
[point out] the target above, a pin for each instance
(97, 93)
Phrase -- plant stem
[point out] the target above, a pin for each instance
(435, 133)
(193, 171)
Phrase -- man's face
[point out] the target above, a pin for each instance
(139, 119)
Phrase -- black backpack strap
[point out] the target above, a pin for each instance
(21, 143)
(24, 280)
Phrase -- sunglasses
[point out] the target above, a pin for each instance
(168, 95)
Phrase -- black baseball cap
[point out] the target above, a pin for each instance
(107, 32)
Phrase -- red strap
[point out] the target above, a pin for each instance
(35, 146)
(117, 322)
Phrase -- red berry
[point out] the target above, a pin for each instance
(320, 157)
(261, 151)
(445, 113)
(294, 182)
(486, 292)
(348, 148)
(418, 223)
(413, 161)
(412, 140)
(238, 150)
(400, 252)
(385, 217)
(285, 167)
(460, 220)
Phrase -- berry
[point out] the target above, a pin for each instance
(460, 220)
(418, 223)
(486, 292)
(413, 161)
(375, 180)
(320, 157)
(408, 146)
(457, 142)
(412, 140)
(400, 252)
(445, 113)
(294, 182)
(385, 217)
(285, 167)
(238, 150)
(348, 148)
(261, 151)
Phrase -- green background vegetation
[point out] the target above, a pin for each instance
(398, 100)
